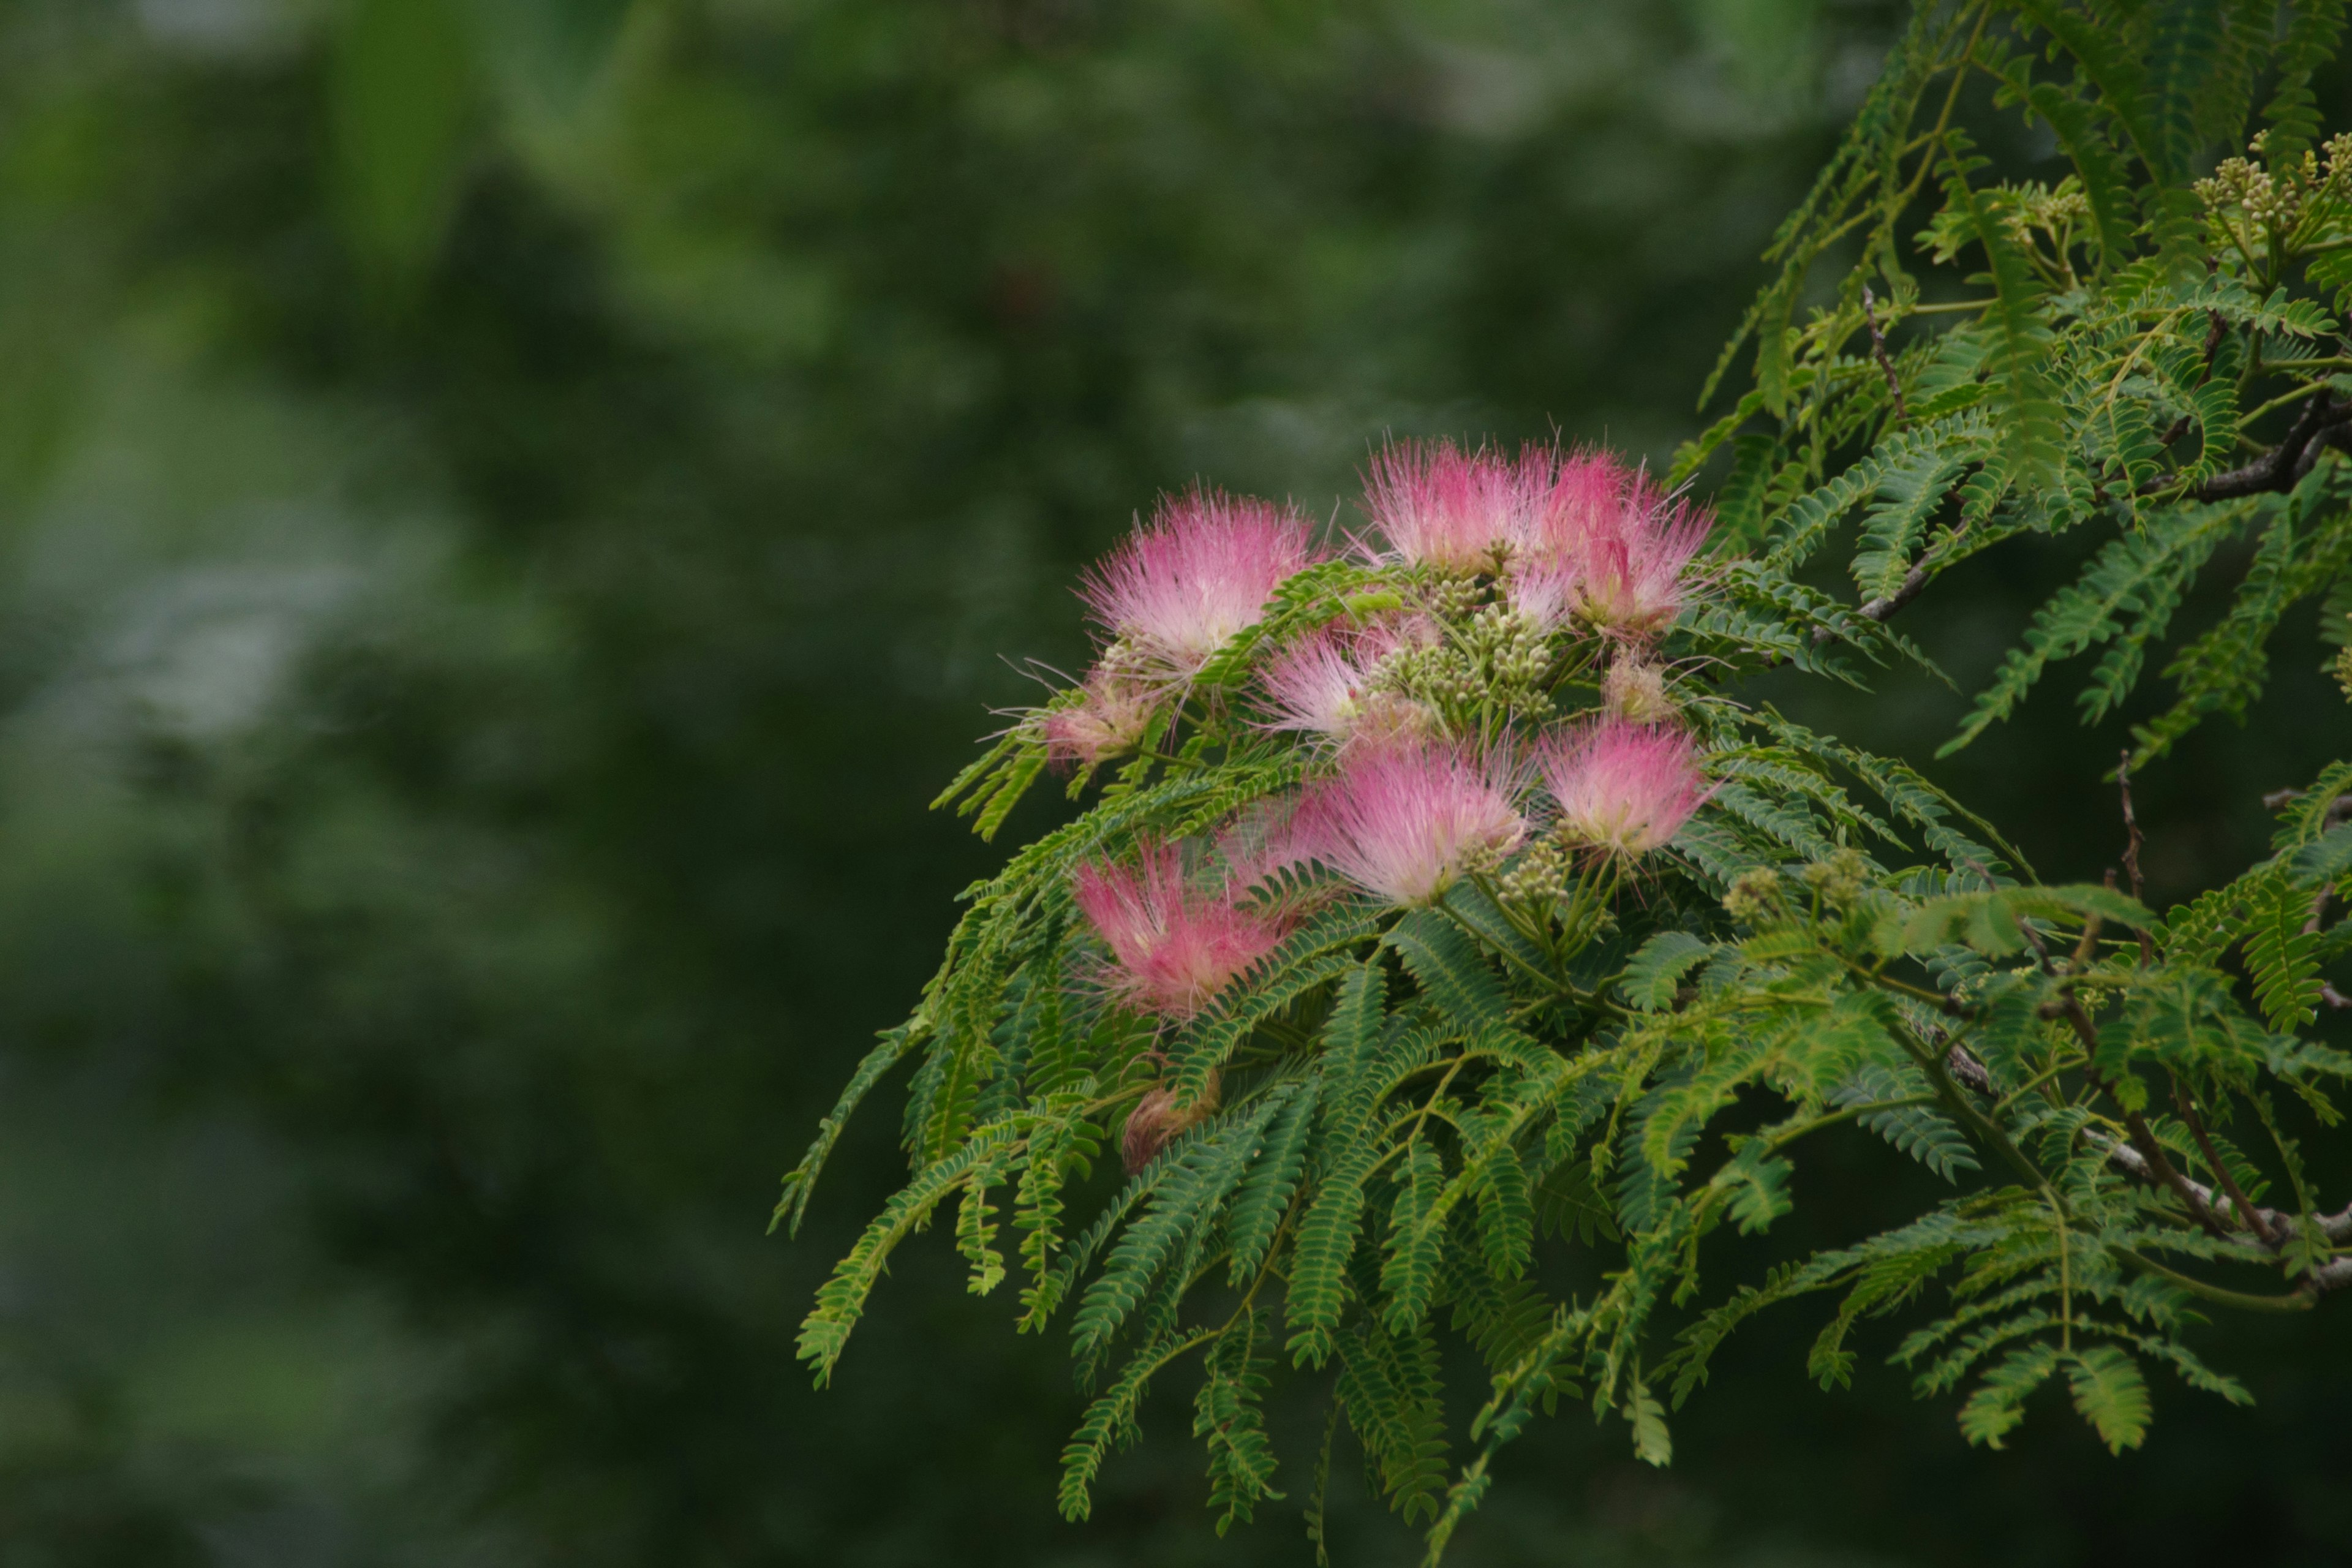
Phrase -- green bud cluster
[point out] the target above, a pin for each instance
(1752, 893)
(1540, 876)
(1442, 678)
(1454, 598)
(1839, 880)
(2273, 201)
(1495, 657)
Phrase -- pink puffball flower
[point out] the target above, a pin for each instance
(1109, 716)
(1624, 789)
(1326, 685)
(1547, 578)
(1583, 490)
(1408, 821)
(1440, 506)
(1201, 571)
(1634, 555)
(1546, 590)
(1172, 946)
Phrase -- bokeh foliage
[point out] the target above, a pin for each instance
(509, 511)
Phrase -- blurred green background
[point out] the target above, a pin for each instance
(507, 511)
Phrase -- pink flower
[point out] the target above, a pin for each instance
(1547, 589)
(1632, 551)
(1324, 685)
(1109, 719)
(1583, 489)
(1407, 821)
(1546, 577)
(1173, 946)
(1623, 788)
(1440, 506)
(1203, 569)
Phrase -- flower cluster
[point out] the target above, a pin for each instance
(1569, 535)
(1510, 575)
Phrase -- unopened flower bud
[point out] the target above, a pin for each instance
(1752, 893)
(1635, 692)
(1156, 1120)
(1840, 879)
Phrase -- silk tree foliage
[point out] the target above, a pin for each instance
(1605, 1030)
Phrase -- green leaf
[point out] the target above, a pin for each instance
(1450, 971)
(1653, 1444)
(2279, 953)
(1416, 1236)
(1229, 1413)
(1998, 1403)
(1111, 1421)
(1390, 1386)
(895, 1046)
(1654, 975)
(2111, 1395)
(1922, 1131)
(2140, 574)
(1265, 1193)
(1179, 1211)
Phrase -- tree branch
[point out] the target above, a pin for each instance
(2277, 470)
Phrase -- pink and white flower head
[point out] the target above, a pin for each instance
(1440, 506)
(1173, 946)
(1634, 557)
(1546, 582)
(1624, 789)
(1327, 685)
(1109, 717)
(1408, 821)
(1199, 572)
(1583, 489)
(1547, 589)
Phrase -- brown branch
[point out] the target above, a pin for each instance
(2279, 469)
(2247, 1213)
(1966, 1069)
(2336, 1227)
(2199, 1200)
(2131, 845)
(1878, 353)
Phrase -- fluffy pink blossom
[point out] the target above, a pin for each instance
(1323, 685)
(1440, 506)
(1633, 556)
(1406, 821)
(1109, 717)
(1547, 589)
(1623, 788)
(1173, 946)
(1582, 489)
(1203, 569)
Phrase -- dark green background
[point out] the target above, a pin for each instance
(507, 511)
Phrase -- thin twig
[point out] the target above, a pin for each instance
(1878, 353)
(2250, 1215)
(2131, 845)
(2070, 1007)
(2277, 470)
